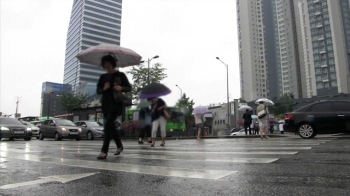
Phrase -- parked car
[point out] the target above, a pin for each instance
(319, 118)
(238, 133)
(91, 129)
(12, 128)
(35, 129)
(59, 129)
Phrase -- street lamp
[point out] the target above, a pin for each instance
(347, 78)
(180, 89)
(149, 61)
(228, 101)
(48, 106)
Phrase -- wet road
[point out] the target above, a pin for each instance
(245, 166)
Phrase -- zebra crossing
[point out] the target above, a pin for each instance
(221, 151)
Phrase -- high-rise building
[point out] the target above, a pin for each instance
(251, 49)
(92, 22)
(269, 57)
(50, 98)
(324, 31)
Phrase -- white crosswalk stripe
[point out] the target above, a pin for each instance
(257, 152)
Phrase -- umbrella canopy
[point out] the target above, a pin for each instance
(267, 102)
(200, 110)
(154, 90)
(244, 108)
(254, 116)
(143, 104)
(125, 56)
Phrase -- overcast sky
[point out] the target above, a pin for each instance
(186, 34)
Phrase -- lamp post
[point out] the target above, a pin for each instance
(180, 90)
(347, 78)
(148, 63)
(48, 105)
(228, 101)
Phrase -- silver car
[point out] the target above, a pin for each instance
(35, 129)
(91, 129)
(59, 128)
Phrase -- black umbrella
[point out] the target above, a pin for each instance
(154, 90)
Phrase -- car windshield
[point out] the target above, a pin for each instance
(63, 122)
(10, 121)
(94, 124)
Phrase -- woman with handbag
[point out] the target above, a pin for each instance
(111, 86)
(159, 118)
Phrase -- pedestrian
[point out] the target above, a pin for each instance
(263, 113)
(159, 118)
(281, 128)
(199, 124)
(247, 121)
(145, 124)
(272, 128)
(111, 86)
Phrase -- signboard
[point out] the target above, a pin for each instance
(135, 116)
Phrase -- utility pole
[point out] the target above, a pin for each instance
(17, 102)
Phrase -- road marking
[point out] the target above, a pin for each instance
(201, 159)
(3, 160)
(140, 169)
(18, 150)
(208, 152)
(231, 149)
(60, 178)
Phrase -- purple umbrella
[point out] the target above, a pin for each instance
(200, 110)
(154, 90)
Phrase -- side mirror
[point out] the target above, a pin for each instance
(53, 124)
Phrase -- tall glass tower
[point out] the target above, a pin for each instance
(92, 22)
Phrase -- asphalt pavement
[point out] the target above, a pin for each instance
(241, 166)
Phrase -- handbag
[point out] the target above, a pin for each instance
(122, 98)
(262, 113)
(167, 115)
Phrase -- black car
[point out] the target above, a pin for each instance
(327, 117)
(12, 128)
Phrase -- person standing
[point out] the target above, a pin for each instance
(199, 124)
(281, 128)
(108, 85)
(158, 115)
(263, 115)
(145, 123)
(247, 121)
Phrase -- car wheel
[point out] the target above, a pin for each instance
(90, 136)
(306, 131)
(41, 137)
(27, 138)
(57, 137)
(11, 138)
(78, 139)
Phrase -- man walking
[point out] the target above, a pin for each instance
(199, 124)
(247, 121)
(263, 115)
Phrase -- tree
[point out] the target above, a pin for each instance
(70, 101)
(241, 100)
(140, 75)
(185, 102)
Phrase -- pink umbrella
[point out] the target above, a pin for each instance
(126, 57)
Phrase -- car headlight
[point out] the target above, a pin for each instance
(79, 130)
(63, 129)
(4, 129)
(29, 129)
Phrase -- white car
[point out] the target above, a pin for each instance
(238, 133)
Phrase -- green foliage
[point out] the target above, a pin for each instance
(71, 101)
(140, 77)
(242, 100)
(186, 102)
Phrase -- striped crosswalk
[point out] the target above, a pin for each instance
(222, 151)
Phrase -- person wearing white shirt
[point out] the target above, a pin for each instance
(281, 128)
(199, 124)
